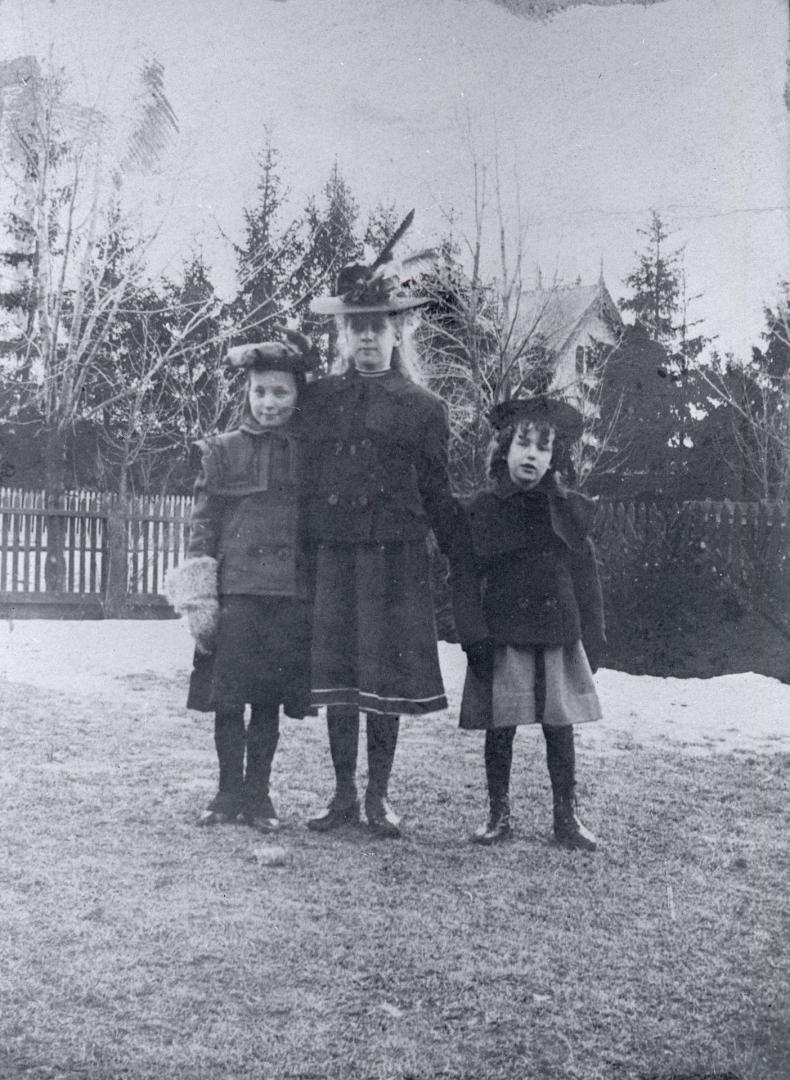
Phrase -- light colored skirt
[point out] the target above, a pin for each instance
(558, 692)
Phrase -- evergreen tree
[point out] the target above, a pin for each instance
(333, 243)
(269, 261)
(656, 284)
(653, 400)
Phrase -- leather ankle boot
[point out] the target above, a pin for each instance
(343, 809)
(343, 729)
(498, 827)
(561, 760)
(498, 759)
(262, 738)
(382, 736)
(569, 831)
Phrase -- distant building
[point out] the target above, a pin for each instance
(577, 325)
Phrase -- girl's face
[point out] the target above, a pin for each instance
(272, 396)
(529, 456)
(371, 339)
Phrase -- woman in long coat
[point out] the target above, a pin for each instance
(377, 484)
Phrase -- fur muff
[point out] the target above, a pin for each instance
(192, 590)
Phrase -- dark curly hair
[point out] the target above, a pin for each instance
(561, 469)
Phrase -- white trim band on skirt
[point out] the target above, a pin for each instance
(374, 703)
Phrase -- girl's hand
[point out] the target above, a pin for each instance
(594, 652)
(480, 657)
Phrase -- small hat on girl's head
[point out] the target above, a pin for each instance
(295, 354)
(566, 420)
(380, 286)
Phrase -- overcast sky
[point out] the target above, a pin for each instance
(601, 113)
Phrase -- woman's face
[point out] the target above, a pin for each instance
(371, 339)
(529, 456)
(272, 396)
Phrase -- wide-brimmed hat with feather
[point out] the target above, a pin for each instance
(380, 287)
(566, 420)
(294, 354)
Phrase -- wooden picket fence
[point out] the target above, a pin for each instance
(696, 588)
(151, 533)
(128, 548)
(740, 540)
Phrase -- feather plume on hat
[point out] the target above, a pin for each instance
(379, 287)
(295, 354)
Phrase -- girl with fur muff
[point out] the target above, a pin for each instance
(244, 586)
(528, 608)
(377, 484)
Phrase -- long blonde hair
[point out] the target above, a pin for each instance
(404, 356)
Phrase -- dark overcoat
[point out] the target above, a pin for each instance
(377, 461)
(246, 512)
(526, 572)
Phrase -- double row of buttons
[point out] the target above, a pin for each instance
(362, 501)
(282, 553)
(352, 447)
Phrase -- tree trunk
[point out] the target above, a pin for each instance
(55, 484)
(117, 549)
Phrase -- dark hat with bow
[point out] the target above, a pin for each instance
(295, 354)
(380, 286)
(565, 420)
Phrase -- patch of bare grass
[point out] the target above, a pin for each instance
(137, 945)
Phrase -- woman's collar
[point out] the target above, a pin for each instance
(285, 431)
(505, 488)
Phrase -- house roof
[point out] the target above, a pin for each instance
(556, 313)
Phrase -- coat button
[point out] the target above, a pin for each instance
(333, 499)
(352, 449)
(363, 500)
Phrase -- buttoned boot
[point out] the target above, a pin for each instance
(382, 737)
(498, 759)
(227, 804)
(263, 734)
(343, 727)
(569, 831)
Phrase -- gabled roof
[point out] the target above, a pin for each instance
(556, 313)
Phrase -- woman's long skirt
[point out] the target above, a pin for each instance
(550, 685)
(374, 632)
(262, 655)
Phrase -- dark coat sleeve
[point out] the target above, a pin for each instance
(433, 480)
(207, 511)
(589, 597)
(466, 584)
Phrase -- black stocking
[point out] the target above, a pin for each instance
(498, 759)
(263, 735)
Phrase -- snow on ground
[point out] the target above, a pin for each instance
(749, 713)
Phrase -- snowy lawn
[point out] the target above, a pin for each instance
(135, 945)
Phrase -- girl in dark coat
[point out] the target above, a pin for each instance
(377, 483)
(528, 608)
(244, 586)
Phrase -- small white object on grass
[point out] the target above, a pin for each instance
(671, 903)
(270, 855)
